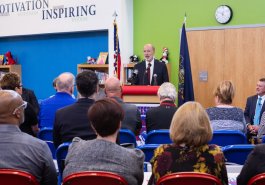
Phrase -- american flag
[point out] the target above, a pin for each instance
(117, 56)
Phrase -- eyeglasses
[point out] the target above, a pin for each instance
(24, 105)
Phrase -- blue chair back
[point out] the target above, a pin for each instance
(237, 153)
(61, 154)
(263, 139)
(52, 148)
(158, 137)
(127, 136)
(45, 134)
(148, 150)
(228, 137)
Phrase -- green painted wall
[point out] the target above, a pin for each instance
(159, 22)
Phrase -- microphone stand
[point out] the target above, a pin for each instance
(155, 80)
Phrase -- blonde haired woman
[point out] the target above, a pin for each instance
(224, 116)
(190, 132)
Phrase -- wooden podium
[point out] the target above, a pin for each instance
(140, 94)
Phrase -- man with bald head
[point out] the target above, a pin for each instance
(19, 150)
(63, 97)
(132, 117)
(150, 71)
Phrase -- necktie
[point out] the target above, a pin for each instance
(148, 73)
(257, 111)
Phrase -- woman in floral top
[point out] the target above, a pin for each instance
(190, 132)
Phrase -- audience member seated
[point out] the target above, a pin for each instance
(224, 116)
(254, 109)
(102, 153)
(62, 98)
(19, 150)
(190, 131)
(29, 96)
(254, 165)
(72, 121)
(261, 129)
(160, 117)
(11, 81)
(132, 117)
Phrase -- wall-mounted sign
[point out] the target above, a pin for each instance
(26, 17)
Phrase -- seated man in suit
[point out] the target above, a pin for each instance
(160, 117)
(72, 121)
(254, 108)
(132, 116)
(29, 96)
(12, 81)
(19, 150)
(151, 71)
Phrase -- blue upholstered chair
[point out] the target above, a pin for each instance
(127, 136)
(237, 153)
(52, 148)
(45, 134)
(148, 150)
(228, 137)
(61, 154)
(158, 137)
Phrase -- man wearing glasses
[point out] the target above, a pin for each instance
(11, 81)
(19, 150)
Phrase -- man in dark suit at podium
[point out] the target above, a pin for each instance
(150, 71)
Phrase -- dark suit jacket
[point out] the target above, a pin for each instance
(250, 109)
(72, 121)
(159, 117)
(29, 96)
(132, 117)
(160, 69)
(30, 120)
(255, 164)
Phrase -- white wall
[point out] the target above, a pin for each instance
(24, 17)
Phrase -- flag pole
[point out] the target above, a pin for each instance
(185, 18)
(185, 85)
(117, 57)
(115, 15)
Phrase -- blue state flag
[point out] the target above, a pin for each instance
(185, 87)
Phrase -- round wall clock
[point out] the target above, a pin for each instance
(223, 14)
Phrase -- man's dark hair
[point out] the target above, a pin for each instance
(105, 116)
(10, 81)
(86, 83)
(262, 79)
